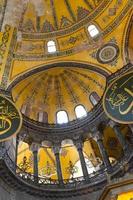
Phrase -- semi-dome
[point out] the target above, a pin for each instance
(47, 16)
(43, 95)
(58, 58)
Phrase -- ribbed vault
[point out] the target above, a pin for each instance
(58, 89)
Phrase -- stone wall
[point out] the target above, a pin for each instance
(7, 193)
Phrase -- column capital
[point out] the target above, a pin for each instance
(131, 127)
(78, 144)
(94, 129)
(19, 138)
(97, 135)
(56, 149)
(112, 124)
(34, 147)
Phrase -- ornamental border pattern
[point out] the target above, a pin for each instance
(62, 64)
(126, 49)
(71, 29)
(6, 73)
(116, 22)
(3, 13)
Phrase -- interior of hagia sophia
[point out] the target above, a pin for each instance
(57, 59)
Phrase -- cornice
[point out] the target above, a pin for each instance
(38, 131)
(9, 173)
(71, 29)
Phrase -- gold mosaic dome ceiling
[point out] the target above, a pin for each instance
(42, 93)
(52, 15)
(58, 89)
(82, 31)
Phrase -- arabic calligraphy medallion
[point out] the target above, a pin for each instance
(108, 53)
(118, 99)
(10, 119)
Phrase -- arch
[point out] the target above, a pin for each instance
(67, 142)
(93, 30)
(51, 46)
(41, 68)
(80, 111)
(94, 98)
(62, 117)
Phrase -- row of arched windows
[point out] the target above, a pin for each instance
(62, 116)
(92, 30)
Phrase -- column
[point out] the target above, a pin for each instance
(56, 150)
(34, 148)
(120, 136)
(99, 140)
(131, 127)
(131, 133)
(16, 151)
(79, 146)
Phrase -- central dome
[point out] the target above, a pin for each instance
(57, 89)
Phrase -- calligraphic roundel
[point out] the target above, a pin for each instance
(118, 99)
(10, 119)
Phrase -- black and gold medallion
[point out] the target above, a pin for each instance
(118, 99)
(10, 119)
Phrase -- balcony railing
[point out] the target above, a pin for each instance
(95, 178)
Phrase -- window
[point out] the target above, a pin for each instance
(62, 117)
(80, 111)
(43, 117)
(94, 98)
(51, 46)
(25, 109)
(93, 31)
(19, 36)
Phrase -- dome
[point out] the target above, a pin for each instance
(46, 17)
(58, 60)
(57, 89)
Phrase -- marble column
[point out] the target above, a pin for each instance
(131, 127)
(105, 157)
(79, 146)
(34, 148)
(56, 150)
(130, 134)
(16, 150)
(119, 135)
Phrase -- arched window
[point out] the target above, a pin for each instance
(62, 117)
(93, 31)
(80, 111)
(19, 36)
(51, 46)
(25, 109)
(43, 117)
(94, 98)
